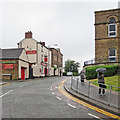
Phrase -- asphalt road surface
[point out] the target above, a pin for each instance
(42, 98)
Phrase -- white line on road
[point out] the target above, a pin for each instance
(71, 105)
(58, 98)
(93, 115)
(53, 93)
(6, 93)
(21, 86)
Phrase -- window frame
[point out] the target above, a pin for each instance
(112, 56)
(112, 31)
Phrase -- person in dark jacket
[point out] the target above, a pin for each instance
(82, 75)
(101, 83)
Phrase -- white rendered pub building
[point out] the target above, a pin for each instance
(39, 56)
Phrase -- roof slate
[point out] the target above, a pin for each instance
(10, 53)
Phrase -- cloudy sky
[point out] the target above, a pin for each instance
(68, 23)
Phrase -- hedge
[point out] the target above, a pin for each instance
(64, 73)
(92, 74)
(75, 74)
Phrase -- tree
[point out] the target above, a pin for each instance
(71, 66)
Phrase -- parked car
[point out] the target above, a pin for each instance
(69, 73)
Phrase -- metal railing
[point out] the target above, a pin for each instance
(91, 89)
(89, 62)
(101, 61)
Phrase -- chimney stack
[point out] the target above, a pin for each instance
(42, 43)
(28, 34)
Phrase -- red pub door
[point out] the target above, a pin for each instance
(22, 73)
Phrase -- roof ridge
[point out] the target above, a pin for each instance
(11, 48)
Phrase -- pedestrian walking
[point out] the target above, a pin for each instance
(82, 75)
(60, 73)
(101, 83)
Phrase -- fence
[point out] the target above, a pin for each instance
(89, 62)
(101, 61)
(91, 89)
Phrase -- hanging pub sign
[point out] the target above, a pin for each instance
(8, 62)
(8, 66)
(31, 52)
(43, 64)
(45, 59)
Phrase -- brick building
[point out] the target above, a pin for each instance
(107, 36)
(57, 60)
(14, 64)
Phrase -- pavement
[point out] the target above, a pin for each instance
(90, 100)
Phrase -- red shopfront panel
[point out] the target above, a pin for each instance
(45, 59)
(44, 70)
(8, 66)
(31, 52)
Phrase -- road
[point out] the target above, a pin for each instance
(42, 98)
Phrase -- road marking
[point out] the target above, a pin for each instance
(6, 93)
(53, 85)
(5, 84)
(71, 105)
(86, 104)
(93, 115)
(21, 86)
(53, 93)
(58, 98)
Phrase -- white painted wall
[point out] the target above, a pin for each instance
(51, 71)
(23, 64)
(43, 51)
(29, 44)
(36, 70)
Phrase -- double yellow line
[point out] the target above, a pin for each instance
(5, 84)
(86, 104)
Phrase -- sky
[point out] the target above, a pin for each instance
(67, 23)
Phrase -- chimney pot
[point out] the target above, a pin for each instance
(28, 34)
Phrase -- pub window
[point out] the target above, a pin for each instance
(41, 48)
(42, 70)
(112, 27)
(42, 58)
(112, 55)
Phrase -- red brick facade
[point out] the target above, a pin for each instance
(28, 34)
(57, 58)
(13, 71)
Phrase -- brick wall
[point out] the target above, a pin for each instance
(13, 72)
(102, 42)
(57, 57)
(28, 34)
